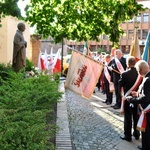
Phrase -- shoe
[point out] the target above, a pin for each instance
(112, 105)
(116, 107)
(126, 138)
(139, 147)
(108, 103)
(137, 135)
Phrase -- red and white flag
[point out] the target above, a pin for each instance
(41, 65)
(51, 60)
(83, 74)
(142, 122)
(57, 62)
(45, 60)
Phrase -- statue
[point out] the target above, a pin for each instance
(19, 49)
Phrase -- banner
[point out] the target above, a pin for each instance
(51, 60)
(41, 65)
(57, 62)
(83, 74)
(135, 48)
(45, 59)
(146, 51)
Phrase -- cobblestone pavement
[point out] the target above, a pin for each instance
(95, 125)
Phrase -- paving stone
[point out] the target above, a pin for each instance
(90, 124)
(97, 127)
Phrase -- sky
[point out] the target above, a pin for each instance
(22, 5)
(145, 3)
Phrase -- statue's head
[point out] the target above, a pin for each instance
(21, 26)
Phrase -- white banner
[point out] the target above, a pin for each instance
(83, 74)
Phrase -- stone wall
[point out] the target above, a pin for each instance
(34, 42)
(35, 49)
(7, 32)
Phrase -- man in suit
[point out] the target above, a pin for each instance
(130, 80)
(107, 80)
(143, 97)
(117, 66)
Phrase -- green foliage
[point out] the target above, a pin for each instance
(25, 105)
(56, 77)
(29, 65)
(81, 19)
(69, 53)
(4, 69)
(101, 50)
(9, 7)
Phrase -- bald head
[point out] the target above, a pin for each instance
(21, 26)
(130, 61)
(142, 67)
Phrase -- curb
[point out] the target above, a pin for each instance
(63, 139)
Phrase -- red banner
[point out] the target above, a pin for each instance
(83, 74)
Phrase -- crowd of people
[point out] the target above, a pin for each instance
(129, 80)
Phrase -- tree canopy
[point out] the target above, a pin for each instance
(81, 19)
(9, 7)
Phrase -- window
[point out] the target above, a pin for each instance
(127, 49)
(130, 34)
(131, 21)
(144, 34)
(124, 36)
(139, 34)
(105, 37)
(138, 18)
(145, 17)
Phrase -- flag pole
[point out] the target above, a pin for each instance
(88, 51)
(62, 51)
(96, 61)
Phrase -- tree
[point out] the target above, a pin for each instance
(9, 7)
(81, 19)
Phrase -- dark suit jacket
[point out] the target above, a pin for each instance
(128, 78)
(105, 79)
(144, 97)
(116, 76)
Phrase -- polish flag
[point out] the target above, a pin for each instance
(45, 60)
(57, 62)
(51, 60)
(41, 65)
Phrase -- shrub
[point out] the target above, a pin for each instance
(25, 103)
(29, 65)
(4, 69)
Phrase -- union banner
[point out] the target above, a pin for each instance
(83, 74)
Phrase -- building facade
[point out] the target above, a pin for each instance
(141, 22)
